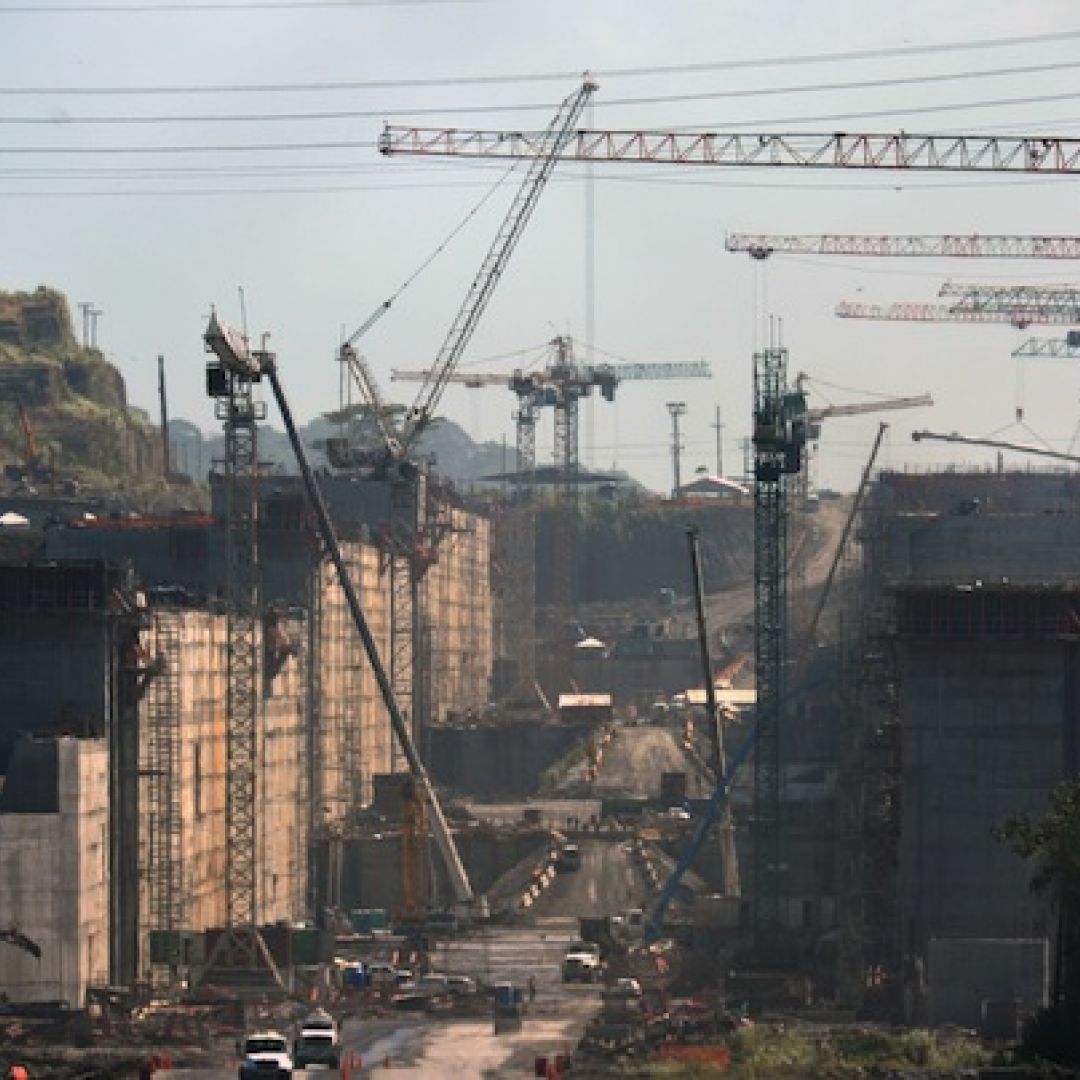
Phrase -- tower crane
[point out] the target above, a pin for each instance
(761, 246)
(240, 953)
(1058, 301)
(560, 385)
(777, 416)
(412, 533)
(567, 379)
(1066, 348)
(905, 311)
(815, 417)
(996, 444)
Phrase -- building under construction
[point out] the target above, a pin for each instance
(116, 644)
(955, 667)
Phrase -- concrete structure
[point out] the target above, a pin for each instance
(966, 974)
(980, 579)
(123, 637)
(54, 850)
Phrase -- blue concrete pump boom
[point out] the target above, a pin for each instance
(655, 925)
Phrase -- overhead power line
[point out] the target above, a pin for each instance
(199, 6)
(549, 76)
(546, 106)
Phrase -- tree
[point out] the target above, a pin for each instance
(1053, 842)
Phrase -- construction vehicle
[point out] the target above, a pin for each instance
(319, 1042)
(581, 962)
(11, 935)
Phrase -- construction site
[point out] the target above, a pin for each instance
(320, 755)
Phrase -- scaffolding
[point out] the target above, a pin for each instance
(160, 766)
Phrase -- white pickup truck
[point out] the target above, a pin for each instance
(265, 1054)
(581, 962)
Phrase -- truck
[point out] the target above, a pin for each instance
(568, 859)
(265, 1054)
(508, 1007)
(318, 1043)
(581, 962)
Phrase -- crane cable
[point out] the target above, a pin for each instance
(448, 239)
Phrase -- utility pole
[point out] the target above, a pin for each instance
(676, 409)
(718, 426)
(165, 455)
(85, 307)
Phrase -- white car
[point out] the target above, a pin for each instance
(266, 1053)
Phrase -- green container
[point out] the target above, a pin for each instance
(369, 920)
(311, 946)
(165, 947)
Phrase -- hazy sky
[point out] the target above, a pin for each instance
(318, 235)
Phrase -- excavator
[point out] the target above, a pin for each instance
(14, 936)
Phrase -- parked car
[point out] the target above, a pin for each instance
(265, 1053)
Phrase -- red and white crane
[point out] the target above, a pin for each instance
(976, 246)
(917, 311)
(956, 153)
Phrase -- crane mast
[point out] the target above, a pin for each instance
(761, 246)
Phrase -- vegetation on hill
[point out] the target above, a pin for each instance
(64, 408)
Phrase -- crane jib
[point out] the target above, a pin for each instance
(963, 153)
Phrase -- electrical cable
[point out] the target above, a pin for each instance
(546, 106)
(561, 76)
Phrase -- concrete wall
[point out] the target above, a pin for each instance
(53, 874)
(460, 615)
(962, 974)
(982, 740)
(355, 737)
(199, 672)
(370, 868)
(52, 675)
(490, 762)
(984, 546)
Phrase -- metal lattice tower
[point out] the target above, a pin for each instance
(159, 767)
(240, 954)
(406, 501)
(779, 437)
(564, 524)
(239, 412)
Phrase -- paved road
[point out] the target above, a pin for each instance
(463, 1049)
(608, 883)
(635, 758)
